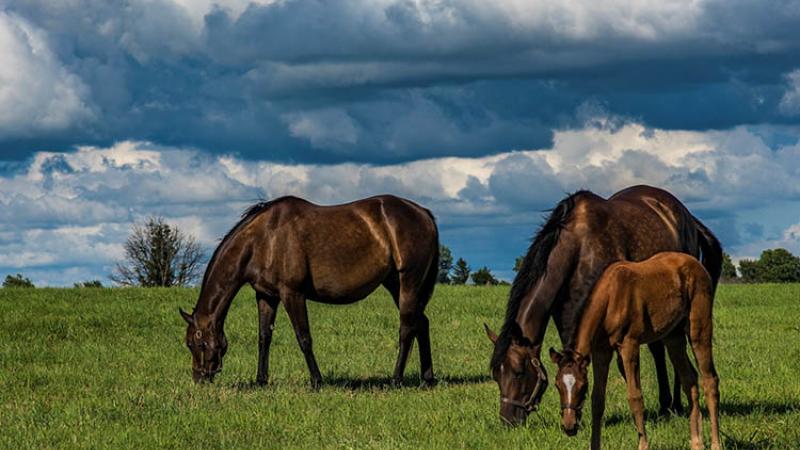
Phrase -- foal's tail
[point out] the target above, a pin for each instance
(711, 252)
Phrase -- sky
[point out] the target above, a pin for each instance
(487, 113)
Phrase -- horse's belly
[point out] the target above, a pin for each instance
(347, 286)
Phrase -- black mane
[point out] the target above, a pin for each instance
(251, 212)
(533, 267)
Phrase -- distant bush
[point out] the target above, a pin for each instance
(484, 277)
(89, 284)
(17, 281)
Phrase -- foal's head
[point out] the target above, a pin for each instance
(208, 345)
(572, 383)
(520, 375)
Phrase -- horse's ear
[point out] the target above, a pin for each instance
(585, 360)
(555, 356)
(186, 316)
(492, 335)
(536, 351)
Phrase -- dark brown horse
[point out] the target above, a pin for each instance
(290, 250)
(668, 296)
(583, 235)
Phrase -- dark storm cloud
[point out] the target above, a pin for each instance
(312, 81)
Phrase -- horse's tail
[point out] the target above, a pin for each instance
(429, 282)
(711, 252)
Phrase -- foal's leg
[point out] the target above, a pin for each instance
(677, 353)
(601, 361)
(630, 359)
(298, 313)
(267, 309)
(700, 334)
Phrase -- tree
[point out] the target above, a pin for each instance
(779, 266)
(460, 272)
(773, 266)
(17, 281)
(518, 263)
(484, 277)
(89, 284)
(750, 271)
(728, 269)
(445, 264)
(158, 254)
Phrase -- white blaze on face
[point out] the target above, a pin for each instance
(569, 383)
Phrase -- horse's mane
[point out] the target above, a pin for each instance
(247, 216)
(533, 267)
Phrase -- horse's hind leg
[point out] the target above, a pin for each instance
(298, 313)
(665, 400)
(413, 324)
(267, 309)
(676, 345)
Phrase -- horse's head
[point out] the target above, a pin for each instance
(520, 375)
(208, 345)
(572, 382)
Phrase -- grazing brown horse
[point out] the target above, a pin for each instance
(290, 250)
(583, 235)
(668, 296)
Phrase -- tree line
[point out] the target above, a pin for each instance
(776, 265)
(157, 254)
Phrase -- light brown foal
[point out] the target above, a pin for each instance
(668, 296)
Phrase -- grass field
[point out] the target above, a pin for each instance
(105, 368)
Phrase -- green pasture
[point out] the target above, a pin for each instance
(107, 368)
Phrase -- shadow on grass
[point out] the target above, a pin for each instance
(756, 407)
(385, 382)
(373, 383)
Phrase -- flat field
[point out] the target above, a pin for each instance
(107, 368)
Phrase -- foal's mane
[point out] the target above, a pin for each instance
(247, 216)
(533, 268)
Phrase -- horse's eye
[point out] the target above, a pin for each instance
(203, 346)
(190, 345)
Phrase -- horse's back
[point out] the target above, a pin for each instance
(343, 252)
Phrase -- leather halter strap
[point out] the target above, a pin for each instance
(541, 382)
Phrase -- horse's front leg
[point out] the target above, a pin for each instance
(630, 359)
(601, 360)
(267, 310)
(295, 305)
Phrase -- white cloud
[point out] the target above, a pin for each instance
(37, 93)
(790, 102)
(75, 209)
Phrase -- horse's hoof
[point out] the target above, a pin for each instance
(261, 383)
(396, 383)
(428, 383)
(316, 384)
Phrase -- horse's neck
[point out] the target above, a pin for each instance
(225, 276)
(534, 312)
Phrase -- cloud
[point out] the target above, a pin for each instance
(383, 81)
(74, 209)
(37, 93)
(790, 102)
